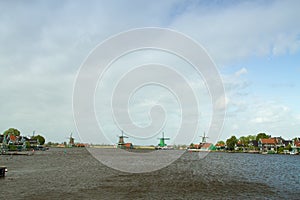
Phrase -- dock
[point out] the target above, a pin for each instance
(19, 153)
(3, 170)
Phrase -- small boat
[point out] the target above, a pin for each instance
(294, 153)
(193, 150)
(164, 148)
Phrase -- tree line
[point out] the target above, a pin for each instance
(16, 132)
(244, 140)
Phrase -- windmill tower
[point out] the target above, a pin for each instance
(162, 140)
(71, 140)
(203, 138)
(121, 140)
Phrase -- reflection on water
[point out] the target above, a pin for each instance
(74, 174)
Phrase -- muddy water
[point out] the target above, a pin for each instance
(75, 174)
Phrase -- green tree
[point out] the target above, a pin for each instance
(12, 131)
(27, 144)
(244, 140)
(288, 147)
(12, 147)
(251, 137)
(280, 150)
(221, 142)
(40, 139)
(262, 136)
(231, 142)
(192, 145)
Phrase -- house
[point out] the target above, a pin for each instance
(268, 145)
(12, 139)
(220, 147)
(296, 147)
(239, 146)
(287, 142)
(296, 139)
(125, 146)
(207, 147)
(128, 145)
(81, 145)
(246, 146)
(272, 144)
(282, 142)
(253, 143)
(61, 145)
(194, 146)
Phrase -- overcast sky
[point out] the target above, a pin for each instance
(254, 44)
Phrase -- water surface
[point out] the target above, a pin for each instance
(75, 174)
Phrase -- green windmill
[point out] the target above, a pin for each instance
(162, 140)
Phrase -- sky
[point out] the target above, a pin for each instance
(255, 45)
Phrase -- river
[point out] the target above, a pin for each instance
(74, 174)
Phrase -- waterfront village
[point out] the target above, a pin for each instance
(12, 141)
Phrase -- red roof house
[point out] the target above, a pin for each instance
(267, 145)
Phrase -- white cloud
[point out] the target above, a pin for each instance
(235, 32)
(222, 103)
(270, 112)
(241, 72)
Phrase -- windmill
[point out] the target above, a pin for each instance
(122, 144)
(203, 138)
(162, 140)
(35, 140)
(71, 140)
(121, 139)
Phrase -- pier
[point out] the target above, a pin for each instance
(3, 170)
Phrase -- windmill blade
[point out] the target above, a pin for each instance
(204, 137)
(164, 138)
(123, 136)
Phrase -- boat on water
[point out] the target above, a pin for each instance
(294, 153)
(164, 148)
(198, 150)
(268, 152)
